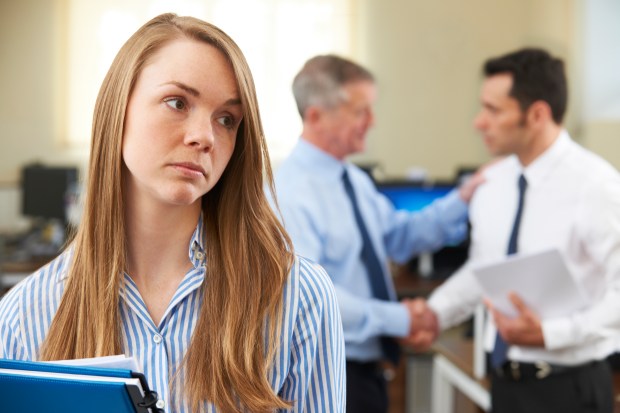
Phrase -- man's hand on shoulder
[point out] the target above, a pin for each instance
(471, 183)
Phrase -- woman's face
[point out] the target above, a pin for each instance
(181, 123)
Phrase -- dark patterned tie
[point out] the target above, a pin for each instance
(500, 350)
(373, 266)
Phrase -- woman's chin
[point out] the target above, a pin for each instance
(183, 197)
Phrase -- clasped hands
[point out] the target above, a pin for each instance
(424, 327)
(525, 329)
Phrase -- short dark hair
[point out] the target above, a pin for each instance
(320, 81)
(536, 75)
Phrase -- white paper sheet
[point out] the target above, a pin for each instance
(120, 361)
(541, 279)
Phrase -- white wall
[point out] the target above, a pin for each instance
(428, 56)
(30, 80)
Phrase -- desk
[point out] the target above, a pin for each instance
(410, 284)
(12, 272)
(453, 368)
(8, 280)
(410, 390)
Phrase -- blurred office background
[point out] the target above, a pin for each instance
(426, 56)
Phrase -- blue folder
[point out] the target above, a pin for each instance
(35, 387)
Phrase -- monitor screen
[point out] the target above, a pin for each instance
(413, 196)
(44, 190)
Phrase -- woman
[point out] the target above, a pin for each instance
(179, 260)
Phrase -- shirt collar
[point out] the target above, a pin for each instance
(538, 170)
(196, 245)
(320, 161)
(64, 264)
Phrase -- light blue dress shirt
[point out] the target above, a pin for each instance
(309, 368)
(319, 217)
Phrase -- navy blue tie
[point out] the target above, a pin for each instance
(500, 350)
(373, 266)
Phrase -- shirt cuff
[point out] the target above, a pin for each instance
(395, 316)
(558, 333)
(441, 307)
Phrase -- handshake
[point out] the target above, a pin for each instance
(424, 327)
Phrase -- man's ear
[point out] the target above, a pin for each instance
(313, 115)
(539, 113)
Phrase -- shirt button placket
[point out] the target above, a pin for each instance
(161, 355)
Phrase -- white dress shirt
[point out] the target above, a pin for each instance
(572, 203)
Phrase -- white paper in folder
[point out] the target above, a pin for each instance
(541, 279)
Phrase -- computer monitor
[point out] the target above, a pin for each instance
(412, 195)
(44, 191)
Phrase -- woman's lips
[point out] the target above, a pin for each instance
(189, 169)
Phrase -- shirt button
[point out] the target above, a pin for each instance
(160, 404)
(157, 338)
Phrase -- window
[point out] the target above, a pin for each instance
(601, 32)
(276, 36)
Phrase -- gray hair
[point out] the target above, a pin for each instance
(320, 81)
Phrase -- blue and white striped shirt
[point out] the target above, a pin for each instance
(309, 366)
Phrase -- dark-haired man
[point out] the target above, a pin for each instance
(548, 192)
(336, 217)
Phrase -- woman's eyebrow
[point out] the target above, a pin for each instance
(232, 102)
(196, 93)
(183, 86)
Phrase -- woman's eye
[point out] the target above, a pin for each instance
(175, 103)
(226, 121)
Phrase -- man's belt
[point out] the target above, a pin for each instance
(517, 371)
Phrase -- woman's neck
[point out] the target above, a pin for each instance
(157, 232)
(157, 260)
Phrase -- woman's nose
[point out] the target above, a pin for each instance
(200, 133)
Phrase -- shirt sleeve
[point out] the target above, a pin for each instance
(316, 377)
(456, 299)
(407, 234)
(11, 346)
(365, 318)
(599, 228)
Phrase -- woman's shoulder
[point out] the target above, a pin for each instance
(310, 272)
(37, 291)
(311, 283)
(27, 310)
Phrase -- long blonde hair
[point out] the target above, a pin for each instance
(248, 252)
